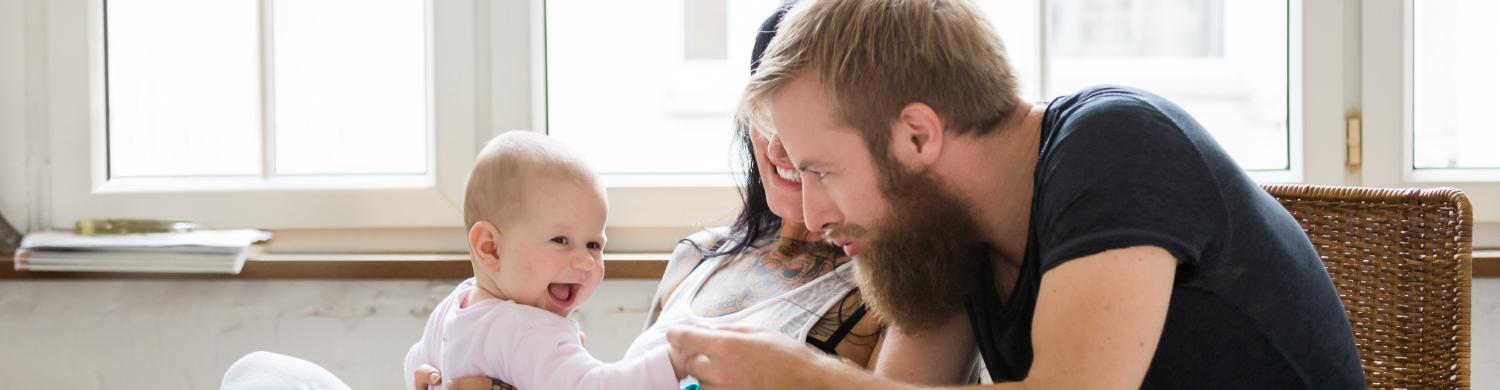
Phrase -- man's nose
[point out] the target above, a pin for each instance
(818, 209)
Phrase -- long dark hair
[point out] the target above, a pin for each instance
(756, 222)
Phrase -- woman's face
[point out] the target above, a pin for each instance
(782, 181)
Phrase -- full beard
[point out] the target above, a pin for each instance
(924, 258)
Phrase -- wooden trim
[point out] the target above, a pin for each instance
(648, 266)
(1487, 263)
(627, 266)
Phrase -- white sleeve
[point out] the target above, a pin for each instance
(414, 358)
(424, 351)
(555, 359)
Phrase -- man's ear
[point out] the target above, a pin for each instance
(484, 244)
(917, 136)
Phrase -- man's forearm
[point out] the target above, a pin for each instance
(838, 375)
(844, 376)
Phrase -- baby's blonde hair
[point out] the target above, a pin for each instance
(497, 184)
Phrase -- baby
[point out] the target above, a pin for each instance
(536, 219)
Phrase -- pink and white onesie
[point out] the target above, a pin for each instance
(530, 348)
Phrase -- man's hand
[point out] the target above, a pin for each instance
(742, 358)
(747, 358)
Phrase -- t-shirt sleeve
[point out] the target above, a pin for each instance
(1123, 173)
(547, 357)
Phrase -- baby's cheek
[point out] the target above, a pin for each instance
(532, 271)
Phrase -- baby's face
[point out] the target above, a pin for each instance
(551, 255)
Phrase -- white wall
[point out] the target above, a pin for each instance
(13, 192)
(1484, 358)
(184, 334)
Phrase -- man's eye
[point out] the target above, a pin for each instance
(560, 240)
(595, 246)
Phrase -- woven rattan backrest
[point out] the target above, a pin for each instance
(1400, 260)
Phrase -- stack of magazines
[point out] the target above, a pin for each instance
(204, 251)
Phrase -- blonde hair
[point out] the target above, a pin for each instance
(873, 57)
(496, 185)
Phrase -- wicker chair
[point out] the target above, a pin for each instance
(1400, 260)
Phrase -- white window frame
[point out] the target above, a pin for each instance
(1318, 97)
(1387, 97)
(491, 68)
(72, 70)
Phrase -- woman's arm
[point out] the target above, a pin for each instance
(862, 342)
(685, 257)
(943, 356)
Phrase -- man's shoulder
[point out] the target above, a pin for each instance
(1109, 120)
(1110, 105)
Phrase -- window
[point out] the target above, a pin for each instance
(669, 100)
(652, 107)
(266, 88)
(283, 114)
(183, 104)
(647, 90)
(1225, 62)
(1429, 101)
(656, 100)
(1456, 82)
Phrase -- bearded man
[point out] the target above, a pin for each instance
(1100, 240)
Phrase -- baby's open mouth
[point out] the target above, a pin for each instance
(563, 292)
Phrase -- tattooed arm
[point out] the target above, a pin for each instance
(862, 344)
(688, 253)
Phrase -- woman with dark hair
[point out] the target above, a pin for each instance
(766, 269)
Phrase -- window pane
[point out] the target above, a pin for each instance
(183, 82)
(1225, 62)
(1456, 82)
(649, 101)
(1016, 22)
(350, 87)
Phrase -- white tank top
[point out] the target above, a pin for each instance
(792, 313)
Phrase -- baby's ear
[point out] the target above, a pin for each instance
(484, 244)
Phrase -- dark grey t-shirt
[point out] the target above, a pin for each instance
(1252, 305)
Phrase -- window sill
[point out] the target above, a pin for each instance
(629, 266)
(1487, 263)
(646, 266)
